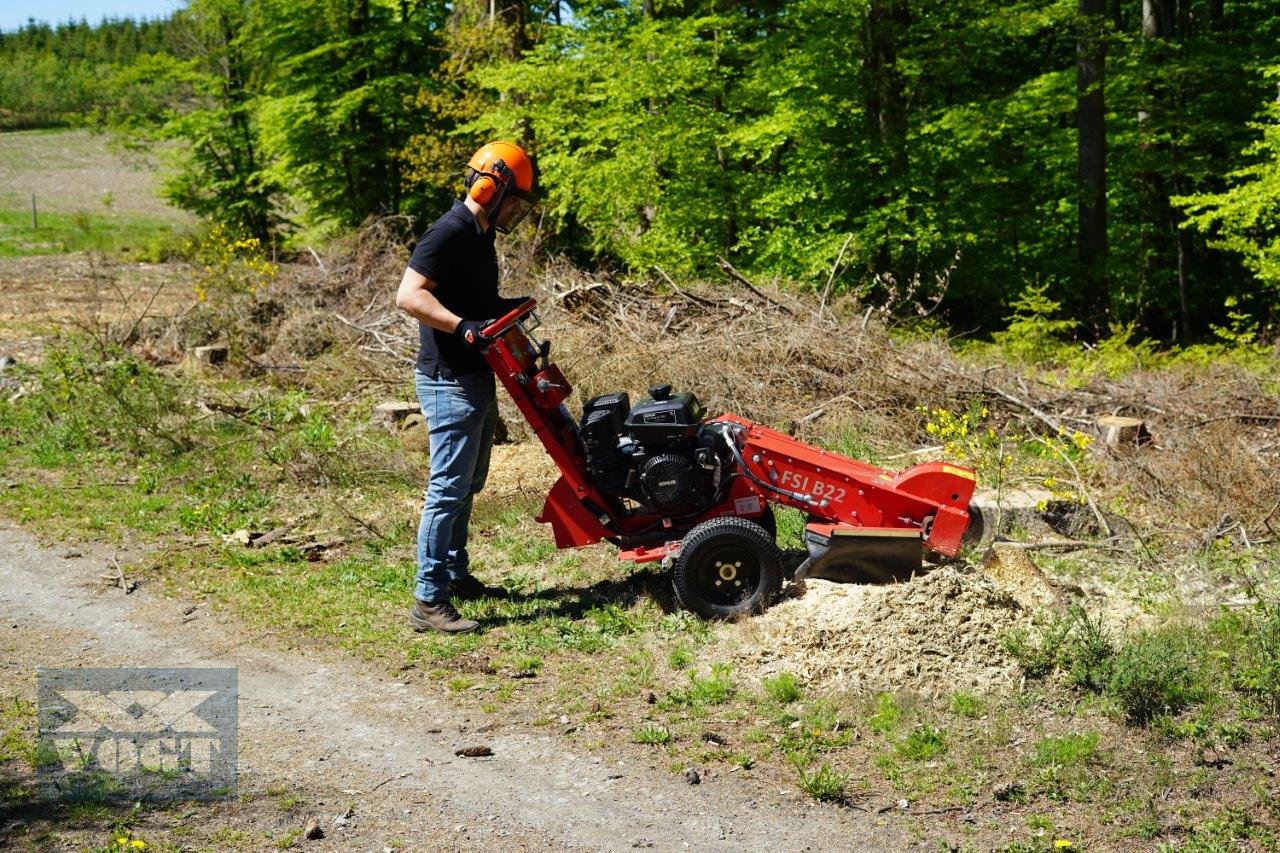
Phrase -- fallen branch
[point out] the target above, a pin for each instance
(692, 297)
(745, 282)
(835, 268)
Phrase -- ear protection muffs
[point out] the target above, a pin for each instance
(488, 186)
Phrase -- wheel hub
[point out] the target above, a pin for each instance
(728, 571)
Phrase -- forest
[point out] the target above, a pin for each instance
(1120, 159)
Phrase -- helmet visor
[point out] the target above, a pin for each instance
(514, 208)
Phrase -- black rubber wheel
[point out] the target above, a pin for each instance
(727, 568)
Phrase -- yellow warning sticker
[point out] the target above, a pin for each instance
(959, 472)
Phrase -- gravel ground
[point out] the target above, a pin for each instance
(318, 722)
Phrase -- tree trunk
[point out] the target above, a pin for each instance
(887, 22)
(1092, 158)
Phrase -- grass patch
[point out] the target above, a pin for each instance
(653, 734)
(923, 743)
(826, 784)
(967, 705)
(715, 688)
(886, 716)
(135, 236)
(783, 688)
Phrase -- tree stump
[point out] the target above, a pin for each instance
(211, 355)
(392, 412)
(1119, 432)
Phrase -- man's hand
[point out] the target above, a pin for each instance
(472, 333)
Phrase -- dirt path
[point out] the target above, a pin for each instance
(321, 723)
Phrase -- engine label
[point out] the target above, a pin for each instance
(808, 486)
(747, 506)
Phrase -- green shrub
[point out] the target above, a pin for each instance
(1256, 660)
(785, 688)
(1154, 674)
(1088, 650)
(1038, 652)
(1074, 643)
(1034, 334)
(86, 395)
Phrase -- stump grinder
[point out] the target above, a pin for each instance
(662, 481)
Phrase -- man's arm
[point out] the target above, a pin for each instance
(416, 299)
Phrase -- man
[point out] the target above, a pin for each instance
(451, 289)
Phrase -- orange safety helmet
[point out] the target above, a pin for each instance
(498, 172)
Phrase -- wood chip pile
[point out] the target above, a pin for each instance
(936, 634)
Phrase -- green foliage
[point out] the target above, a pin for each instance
(207, 104)
(61, 74)
(923, 743)
(784, 688)
(1062, 762)
(1154, 674)
(885, 718)
(715, 688)
(826, 784)
(651, 733)
(1245, 217)
(1065, 750)
(1074, 643)
(337, 108)
(1249, 641)
(1035, 333)
(967, 705)
(85, 398)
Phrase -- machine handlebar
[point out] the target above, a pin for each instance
(499, 326)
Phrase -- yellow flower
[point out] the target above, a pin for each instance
(138, 844)
(1062, 844)
(121, 840)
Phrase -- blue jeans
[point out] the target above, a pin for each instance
(461, 415)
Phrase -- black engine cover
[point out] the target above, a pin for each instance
(665, 419)
(672, 482)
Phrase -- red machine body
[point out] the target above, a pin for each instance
(846, 501)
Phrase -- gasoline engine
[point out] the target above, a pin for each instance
(657, 453)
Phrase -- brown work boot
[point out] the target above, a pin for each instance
(442, 616)
(470, 587)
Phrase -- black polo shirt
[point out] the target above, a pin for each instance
(460, 258)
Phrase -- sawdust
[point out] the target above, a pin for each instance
(935, 634)
(520, 469)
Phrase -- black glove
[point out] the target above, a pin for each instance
(472, 333)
